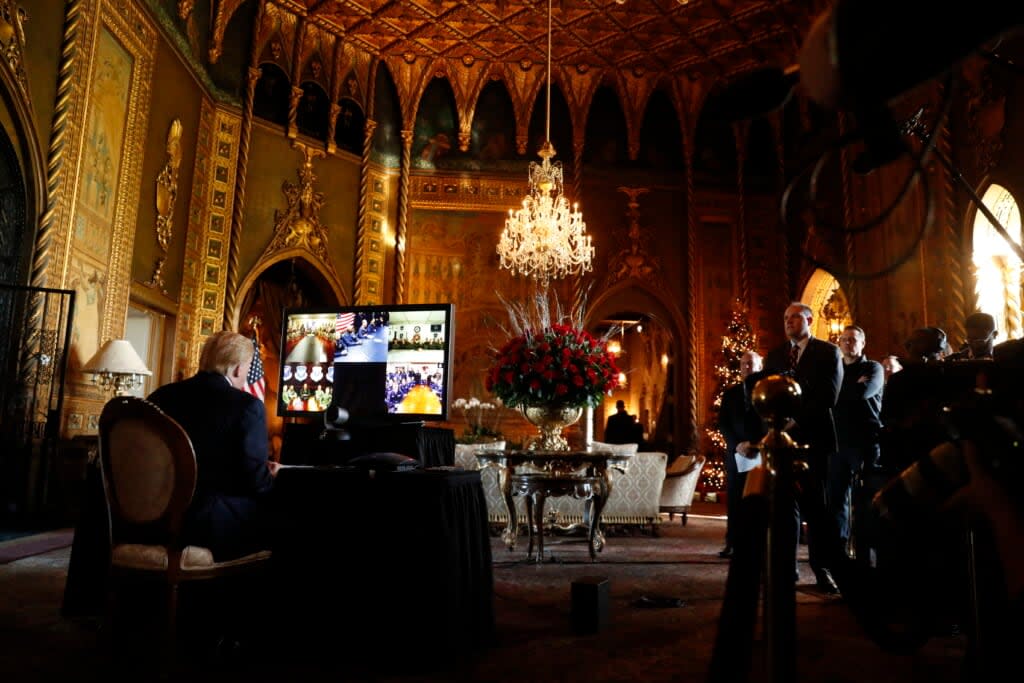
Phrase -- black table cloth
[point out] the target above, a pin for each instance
(432, 446)
(395, 565)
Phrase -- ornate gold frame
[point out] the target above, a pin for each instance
(132, 29)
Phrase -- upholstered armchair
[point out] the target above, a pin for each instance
(680, 485)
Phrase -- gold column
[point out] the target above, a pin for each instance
(403, 216)
(55, 153)
(364, 193)
(54, 178)
(332, 126)
(692, 300)
(238, 212)
(578, 289)
(293, 112)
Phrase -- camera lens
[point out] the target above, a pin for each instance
(920, 489)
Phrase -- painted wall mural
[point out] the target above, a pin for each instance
(104, 141)
(90, 287)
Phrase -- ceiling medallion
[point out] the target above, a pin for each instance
(545, 239)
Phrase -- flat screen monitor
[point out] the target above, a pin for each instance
(383, 363)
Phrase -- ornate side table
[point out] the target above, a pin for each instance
(537, 475)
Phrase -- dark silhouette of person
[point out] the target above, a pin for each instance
(981, 338)
(228, 429)
(818, 368)
(859, 427)
(742, 429)
(621, 426)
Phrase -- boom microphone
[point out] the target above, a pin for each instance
(864, 53)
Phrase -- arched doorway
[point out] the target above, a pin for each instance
(650, 332)
(997, 268)
(828, 302)
(642, 345)
(288, 283)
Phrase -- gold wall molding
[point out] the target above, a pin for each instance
(466, 193)
(166, 198)
(376, 235)
(223, 10)
(411, 76)
(635, 91)
(12, 40)
(105, 246)
(204, 275)
(522, 84)
(298, 230)
(101, 118)
(634, 261)
(467, 78)
(299, 225)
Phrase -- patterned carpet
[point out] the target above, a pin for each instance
(27, 544)
(535, 640)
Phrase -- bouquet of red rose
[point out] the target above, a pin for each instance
(558, 365)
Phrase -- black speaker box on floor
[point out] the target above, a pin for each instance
(590, 597)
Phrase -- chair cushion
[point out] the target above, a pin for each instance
(155, 557)
(616, 448)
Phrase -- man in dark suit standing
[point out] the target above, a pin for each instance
(621, 426)
(228, 429)
(859, 427)
(818, 367)
(742, 429)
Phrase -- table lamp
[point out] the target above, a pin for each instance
(117, 365)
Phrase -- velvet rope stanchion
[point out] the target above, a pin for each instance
(765, 548)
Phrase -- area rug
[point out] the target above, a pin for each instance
(35, 544)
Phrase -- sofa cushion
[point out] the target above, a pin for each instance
(616, 448)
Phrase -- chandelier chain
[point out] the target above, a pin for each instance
(545, 238)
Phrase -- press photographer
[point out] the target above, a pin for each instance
(944, 532)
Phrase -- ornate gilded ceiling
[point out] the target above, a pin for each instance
(712, 37)
(636, 46)
(715, 38)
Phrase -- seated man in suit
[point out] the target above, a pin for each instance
(228, 429)
(350, 339)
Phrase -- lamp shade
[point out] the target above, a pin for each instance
(116, 357)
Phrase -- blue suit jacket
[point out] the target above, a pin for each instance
(228, 429)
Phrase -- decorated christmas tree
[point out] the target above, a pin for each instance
(738, 339)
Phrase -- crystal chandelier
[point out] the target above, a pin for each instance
(545, 239)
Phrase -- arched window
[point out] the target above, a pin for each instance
(828, 302)
(997, 268)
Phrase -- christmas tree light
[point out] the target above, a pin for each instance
(738, 339)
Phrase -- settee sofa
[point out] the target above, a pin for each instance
(634, 501)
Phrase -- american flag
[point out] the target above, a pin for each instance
(256, 381)
(344, 321)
